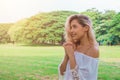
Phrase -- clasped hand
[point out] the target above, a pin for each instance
(69, 48)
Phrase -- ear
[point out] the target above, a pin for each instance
(86, 28)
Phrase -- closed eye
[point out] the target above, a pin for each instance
(73, 26)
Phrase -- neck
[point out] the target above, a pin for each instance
(84, 41)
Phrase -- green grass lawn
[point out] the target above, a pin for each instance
(40, 62)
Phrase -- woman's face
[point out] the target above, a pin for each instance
(77, 31)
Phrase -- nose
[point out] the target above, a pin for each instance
(71, 30)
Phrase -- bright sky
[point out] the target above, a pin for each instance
(14, 10)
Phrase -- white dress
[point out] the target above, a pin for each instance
(86, 68)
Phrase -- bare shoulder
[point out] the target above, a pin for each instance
(93, 52)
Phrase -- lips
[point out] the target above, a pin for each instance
(73, 35)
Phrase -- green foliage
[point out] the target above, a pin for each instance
(106, 26)
(4, 36)
(48, 28)
(115, 28)
(43, 28)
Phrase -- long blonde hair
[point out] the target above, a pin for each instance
(83, 20)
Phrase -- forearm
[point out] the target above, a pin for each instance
(63, 65)
(74, 68)
(72, 61)
(73, 65)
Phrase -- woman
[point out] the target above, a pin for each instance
(81, 50)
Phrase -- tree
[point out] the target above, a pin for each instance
(43, 28)
(4, 36)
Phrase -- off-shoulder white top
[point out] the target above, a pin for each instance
(86, 68)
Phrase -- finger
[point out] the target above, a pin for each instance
(69, 46)
(69, 43)
(64, 44)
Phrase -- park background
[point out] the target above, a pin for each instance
(32, 34)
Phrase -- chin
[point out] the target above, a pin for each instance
(76, 41)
